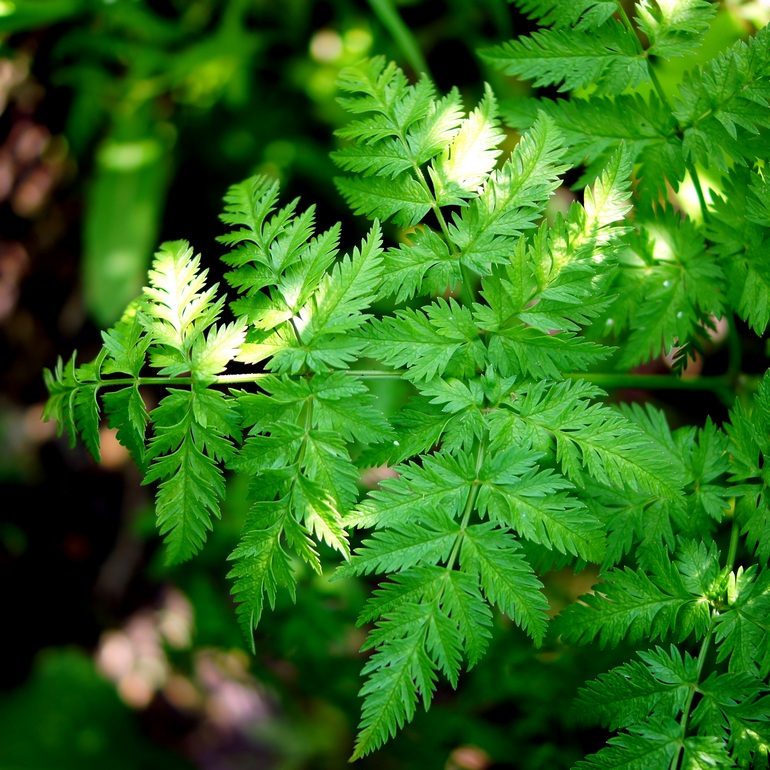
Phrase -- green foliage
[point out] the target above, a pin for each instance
(508, 461)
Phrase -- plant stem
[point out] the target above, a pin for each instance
(732, 549)
(228, 379)
(470, 504)
(376, 374)
(693, 172)
(401, 34)
(704, 648)
(659, 87)
(730, 563)
(720, 385)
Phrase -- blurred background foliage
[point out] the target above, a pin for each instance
(122, 124)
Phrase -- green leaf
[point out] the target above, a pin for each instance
(404, 546)
(595, 127)
(441, 483)
(741, 234)
(183, 457)
(582, 14)
(178, 307)
(512, 200)
(726, 101)
(506, 578)
(317, 510)
(607, 57)
(630, 693)
(463, 167)
(261, 564)
(649, 746)
(344, 292)
(428, 343)
(590, 438)
(126, 412)
(674, 28)
(636, 605)
(535, 504)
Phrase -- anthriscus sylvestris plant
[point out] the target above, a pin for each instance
(509, 328)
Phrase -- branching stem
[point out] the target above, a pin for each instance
(704, 649)
(470, 505)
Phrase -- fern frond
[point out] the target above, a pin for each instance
(590, 438)
(595, 127)
(398, 673)
(505, 575)
(403, 200)
(179, 308)
(247, 205)
(126, 345)
(630, 693)
(674, 28)
(537, 505)
(740, 230)
(463, 167)
(607, 57)
(344, 292)
(582, 15)
(637, 605)
(442, 480)
(668, 288)
(72, 401)
(649, 746)
(726, 101)
(127, 413)
(742, 629)
(512, 200)
(382, 89)
(192, 432)
(404, 546)
(418, 340)
(261, 563)
(466, 606)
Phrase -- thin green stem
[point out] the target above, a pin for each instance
(402, 36)
(376, 374)
(732, 549)
(230, 379)
(418, 172)
(624, 18)
(704, 649)
(650, 71)
(145, 381)
(719, 385)
(693, 172)
(467, 292)
(658, 86)
(470, 505)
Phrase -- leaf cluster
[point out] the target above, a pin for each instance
(507, 461)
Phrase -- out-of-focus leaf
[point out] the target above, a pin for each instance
(123, 212)
(25, 14)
